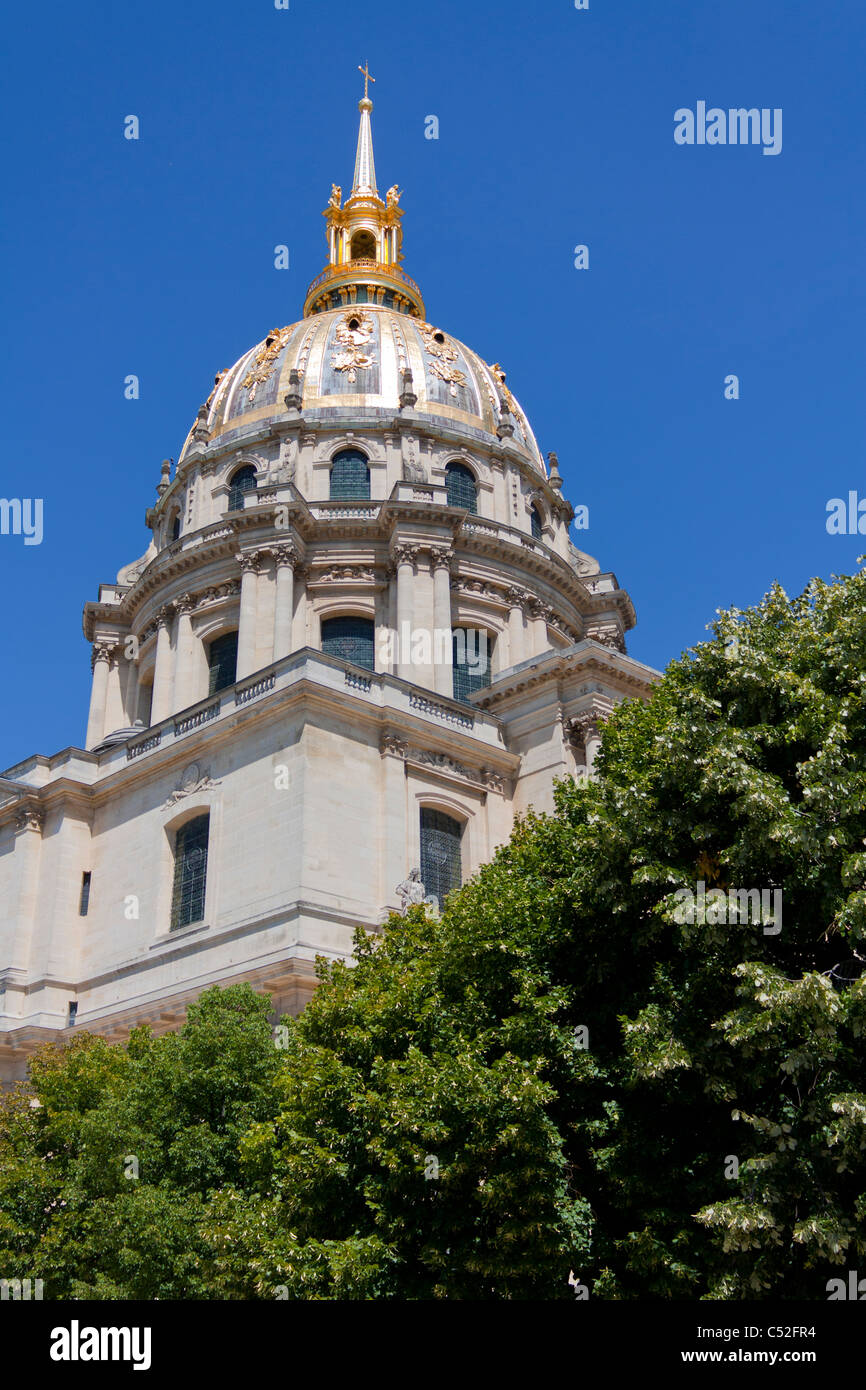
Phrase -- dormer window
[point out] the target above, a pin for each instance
(460, 486)
(350, 476)
(243, 481)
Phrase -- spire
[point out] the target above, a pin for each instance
(365, 170)
(364, 239)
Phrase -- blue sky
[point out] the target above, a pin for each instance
(155, 257)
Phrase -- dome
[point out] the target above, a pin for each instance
(365, 356)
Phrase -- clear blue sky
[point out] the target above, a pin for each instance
(556, 128)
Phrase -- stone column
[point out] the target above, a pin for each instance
(516, 598)
(162, 672)
(404, 558)
(284, 599)
(585, 728)
(99, 659)
(443, 674)
(392, 862)
(247, 624)
(184, 656)
(29, 821)
(131, 690)
(538, 616)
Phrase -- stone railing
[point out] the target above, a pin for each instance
(194, 721)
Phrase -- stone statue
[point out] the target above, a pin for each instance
(411, 892)
(392, 197)
(336, 196)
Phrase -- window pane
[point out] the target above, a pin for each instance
(350, 476)
(461, 487)
(471, 661)
(350, 639)
(535, 522)
(243, 481)
(222, 662)
(441, 863)
(190, 872)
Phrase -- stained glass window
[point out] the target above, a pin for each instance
(350, 476)
(471, 660)
(190, 872)
(222, 660)
(350, 639)
(441, 860)
(460, 483)
(243, 481)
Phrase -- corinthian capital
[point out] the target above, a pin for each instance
(586, 724)
(405, 554)
(102, 650)
(249, 561)
(30, 818)
(285, 555)
(441, 559)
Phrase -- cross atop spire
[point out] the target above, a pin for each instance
(364, 181)
(367, 78)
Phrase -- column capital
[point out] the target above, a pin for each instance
(30, 817)
(185, 604)
(538, 609)
(441, 559)
(517, 598)
(285, 555)
(250, 561)
(102, 650)
(586, 724)
(165, 615)
(405, 554)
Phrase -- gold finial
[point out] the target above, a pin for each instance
(367, 78)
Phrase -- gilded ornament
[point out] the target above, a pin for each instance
(353, 332)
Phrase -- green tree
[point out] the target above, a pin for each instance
(107, 1164)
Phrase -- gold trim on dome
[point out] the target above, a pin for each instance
(438, 347)
(349, 357)
(263, 368)
(499, 377)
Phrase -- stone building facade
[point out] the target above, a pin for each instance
(360, 641)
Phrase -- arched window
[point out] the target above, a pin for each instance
(363, 246)
(350, 476)
(222, 661)
(350, 639)
(441, 859)
(462, 492)
(535, 523)
(472, 648)
(174, 529)
(190, 872)
(243, 481)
